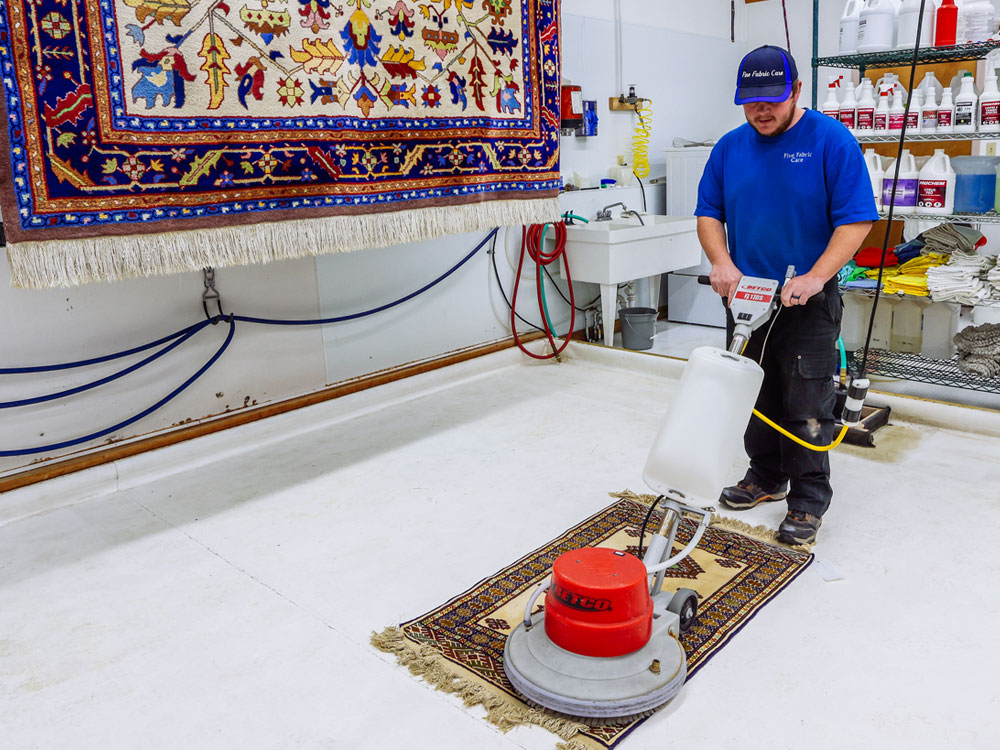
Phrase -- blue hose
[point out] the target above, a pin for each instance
(179, 338)
(121, 373)
(137, 417)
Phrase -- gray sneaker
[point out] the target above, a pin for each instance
(745, 495)
(799, 527)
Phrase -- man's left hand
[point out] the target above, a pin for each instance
(799, 289)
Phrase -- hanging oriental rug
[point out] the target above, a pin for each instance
(268, 128)
(458, 647)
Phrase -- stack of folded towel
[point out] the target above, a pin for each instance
(979, 350)
(948, 238)
(993, 279)
(956, 283)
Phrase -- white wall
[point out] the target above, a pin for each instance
(676, 51)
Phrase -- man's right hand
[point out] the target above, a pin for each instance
(725, 278)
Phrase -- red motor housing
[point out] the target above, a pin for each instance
(599, 603)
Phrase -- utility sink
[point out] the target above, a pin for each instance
(614, 252)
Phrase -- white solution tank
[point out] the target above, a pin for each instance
(702, 434)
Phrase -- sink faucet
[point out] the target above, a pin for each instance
(605, 213)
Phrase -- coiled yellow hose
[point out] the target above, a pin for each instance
(641, 138)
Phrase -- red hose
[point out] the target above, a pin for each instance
(531, 238)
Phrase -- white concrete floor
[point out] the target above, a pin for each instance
(227, 603)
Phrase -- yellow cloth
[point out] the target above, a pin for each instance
(919, 265)
(912, 284)
(886, 273)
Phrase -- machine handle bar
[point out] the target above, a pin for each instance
(818, 297)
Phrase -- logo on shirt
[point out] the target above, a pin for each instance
(798, 157)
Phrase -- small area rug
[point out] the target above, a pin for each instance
(458, 647)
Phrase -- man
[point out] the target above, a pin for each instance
(790, 187)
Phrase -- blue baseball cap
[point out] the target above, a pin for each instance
(766, 75)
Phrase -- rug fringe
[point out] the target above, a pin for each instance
(760, 533)
(425, 662)
(64, 263)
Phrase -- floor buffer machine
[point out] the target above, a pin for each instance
(605, 648)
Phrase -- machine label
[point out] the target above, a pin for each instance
(585, 603)
(753, 296)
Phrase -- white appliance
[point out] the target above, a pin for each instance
(687, 300)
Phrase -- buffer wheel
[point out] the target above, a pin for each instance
(684, 604)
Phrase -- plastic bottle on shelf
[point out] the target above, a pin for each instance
(965, 106)
(876, 26)
(849, 27)
(930, 80)
(854, 326)
(929, 112)
(875, 173)
(907, 328)
(940, 325)
(989, 107)
(882, 329)
(976, 21)
(906, 186)
(865, 119)
(849, 108)
(946, 24)
(897, 113)
(915, 118)
(936, 188)
(909, 15)
(831, 106)
(946, 113)
(881, 124)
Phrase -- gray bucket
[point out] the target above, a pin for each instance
(638, 327)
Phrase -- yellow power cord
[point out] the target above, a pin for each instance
(795, 438)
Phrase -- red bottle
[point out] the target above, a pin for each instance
(946, 24)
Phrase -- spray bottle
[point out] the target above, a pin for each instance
(897, 113)
(849, 109)
(914, 120)
(929, 113)
(946, 113)
(831, 106)
(965, 106)
(881, 125)
(936, 190)
(865, 120)
(989, 107)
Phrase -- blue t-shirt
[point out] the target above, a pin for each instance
(782, 197)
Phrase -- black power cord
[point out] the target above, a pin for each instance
(496, 273)
(645, 522)
(892, 199)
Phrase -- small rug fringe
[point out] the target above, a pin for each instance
(428, 664)
(66, 263)
(760, 533)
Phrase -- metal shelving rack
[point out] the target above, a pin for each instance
(990, 217)
(922, 370)
(889, 364)
(893, 137)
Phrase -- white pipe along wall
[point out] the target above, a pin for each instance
(677, 53)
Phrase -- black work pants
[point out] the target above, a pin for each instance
(798, 393)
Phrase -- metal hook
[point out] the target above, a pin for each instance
(211, 294)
